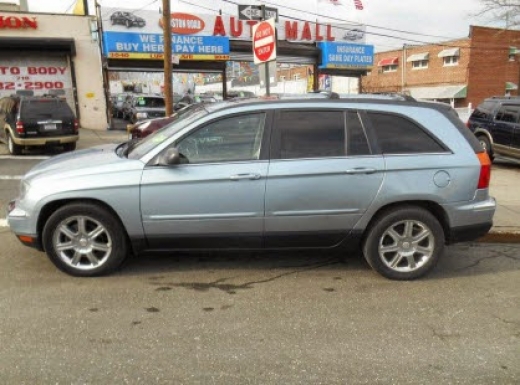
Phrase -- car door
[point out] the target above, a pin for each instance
(317, 190)
(513, 130)
(216, 199)
(504, 123)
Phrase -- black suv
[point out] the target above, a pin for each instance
(496, 124)
(37, 121)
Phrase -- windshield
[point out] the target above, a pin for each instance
(183, 120)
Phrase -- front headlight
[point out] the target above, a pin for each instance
(141, 115)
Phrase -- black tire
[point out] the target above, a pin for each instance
(69, 147)
(12, 147)
(108, 249)
(412, 257)
(486, 145)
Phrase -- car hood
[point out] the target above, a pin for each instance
(92, 161)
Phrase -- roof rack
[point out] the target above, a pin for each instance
(394, 95)
(505, 97)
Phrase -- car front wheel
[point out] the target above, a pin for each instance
(85, 240)
(404, 243)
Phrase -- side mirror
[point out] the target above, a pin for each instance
(170, 157)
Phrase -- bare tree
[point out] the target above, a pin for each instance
(506, 11)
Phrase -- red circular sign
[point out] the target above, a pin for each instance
(263, 41)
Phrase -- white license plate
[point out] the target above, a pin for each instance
(49, 126)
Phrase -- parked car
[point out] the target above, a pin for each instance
(37, 121)
(496, 124)
(128, 19)
(143, 129)
(143, 107)
(394, 179)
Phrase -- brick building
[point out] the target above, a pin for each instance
(460, 72)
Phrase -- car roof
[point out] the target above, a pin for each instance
(315, 102)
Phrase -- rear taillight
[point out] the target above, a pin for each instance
(20, 129)
(76, 125)
(485, 170)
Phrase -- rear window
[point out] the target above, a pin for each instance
(45, 109)
(483, 110)
(150, 102)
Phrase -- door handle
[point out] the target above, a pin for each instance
(360, 170)
(245, 176)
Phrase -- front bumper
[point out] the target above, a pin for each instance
(22, 226)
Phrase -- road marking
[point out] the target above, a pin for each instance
(22, 157)
(11, 177)
(3, 223)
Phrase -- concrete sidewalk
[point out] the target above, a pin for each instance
(505, 187)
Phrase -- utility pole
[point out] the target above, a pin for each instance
(168, 92)
(85, 7)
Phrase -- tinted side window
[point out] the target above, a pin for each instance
(312, 134)
(357, 143)
(398, 135)
(508, 114)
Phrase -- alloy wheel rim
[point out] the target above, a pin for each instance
(82, 242)
(406, 246)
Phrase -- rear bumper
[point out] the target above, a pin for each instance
(46, 140)
(468, 233)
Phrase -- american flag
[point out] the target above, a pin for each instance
(358, 4)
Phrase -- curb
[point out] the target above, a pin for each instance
(501, 236)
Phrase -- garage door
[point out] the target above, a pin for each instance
(43, 75)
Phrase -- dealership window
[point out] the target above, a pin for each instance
(390, 68)
(451, 60)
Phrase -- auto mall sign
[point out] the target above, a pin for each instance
(18, 22)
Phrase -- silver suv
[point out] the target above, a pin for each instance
(395, 179)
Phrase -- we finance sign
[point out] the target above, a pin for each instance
(152, 45)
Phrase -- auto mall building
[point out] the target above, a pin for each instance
(48, 54)
(74, 56)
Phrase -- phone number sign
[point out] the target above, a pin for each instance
(38, 78)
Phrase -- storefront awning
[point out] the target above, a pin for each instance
(388, 61)
(449, 52)
(440, 92)
(418, 57)
(38, 44)
(510, 86)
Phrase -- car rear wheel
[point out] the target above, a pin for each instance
(14, 149)
(486, 145)
(85, 240)
(68, 147)
(404, 243)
